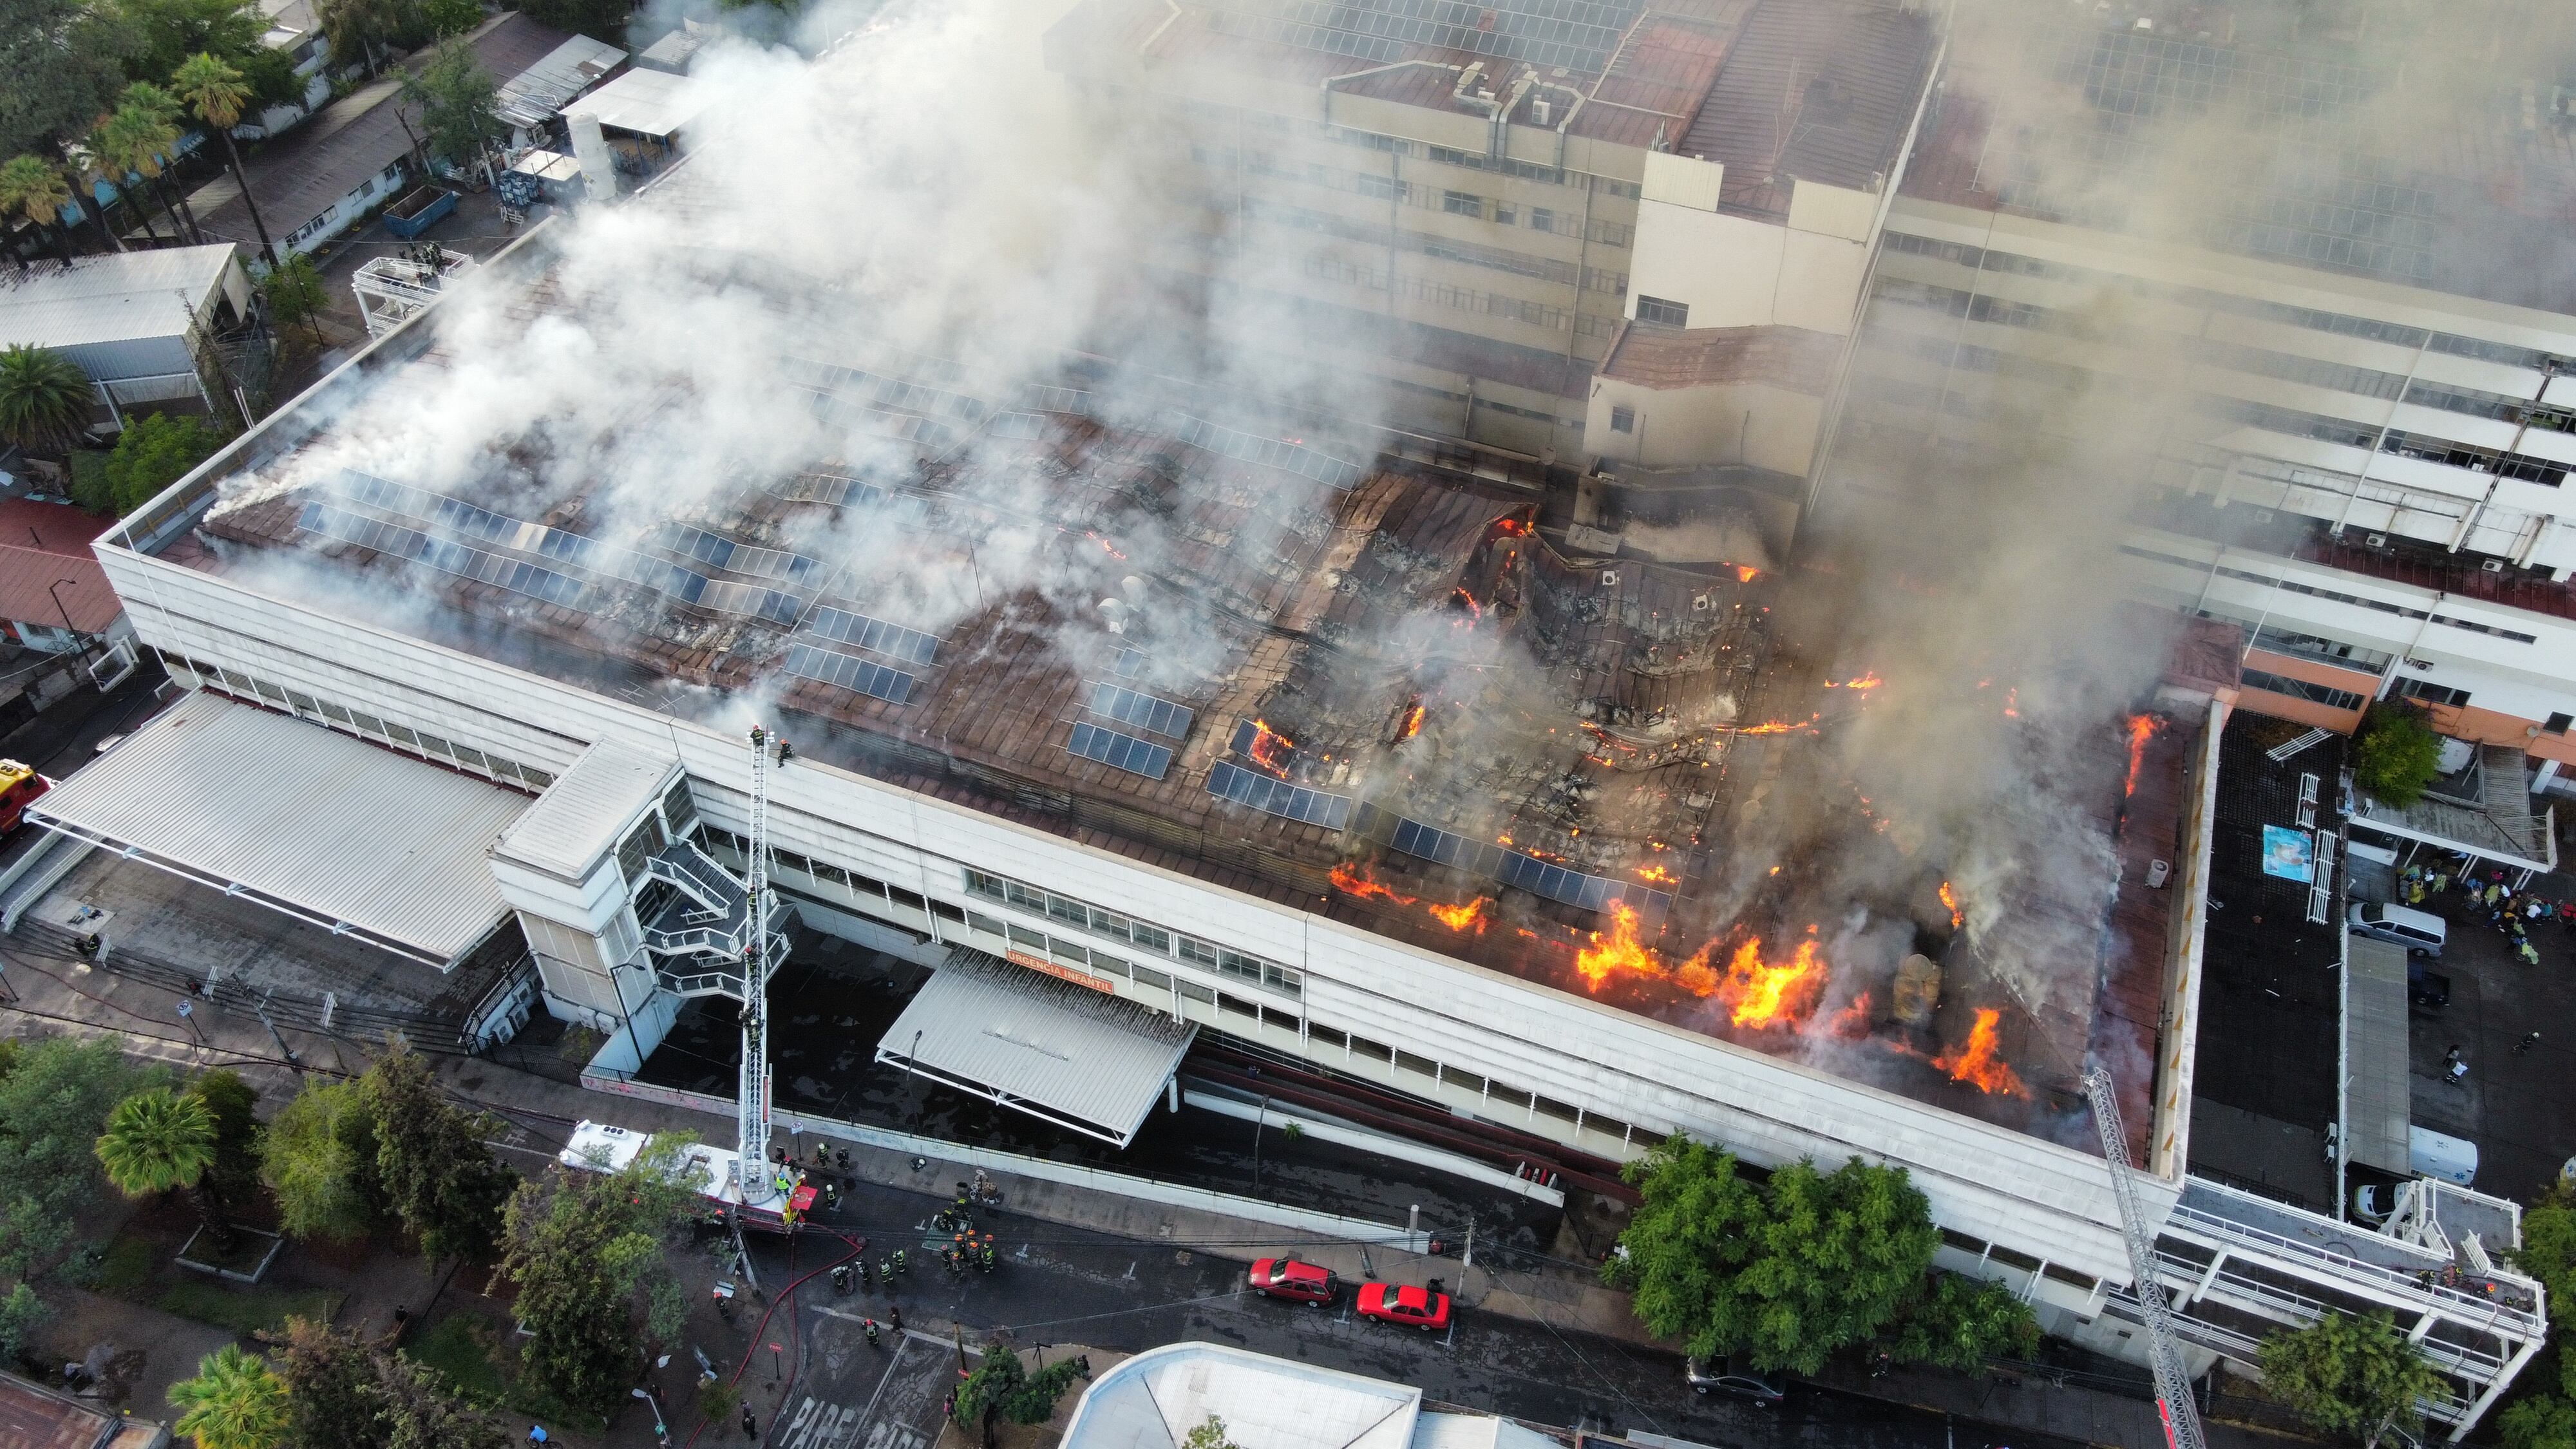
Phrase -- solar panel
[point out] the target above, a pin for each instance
(1518, 868)
(1144, 711)
(1295, 458)
(1230, 781)
(876, 636)
(842, 671)
(1028, 427)
(1058, 399)
(1576, 34)
(828, 488)
(1131, 662)
(717, 551)
(1122, 752)
(887, 390)
(445, 555)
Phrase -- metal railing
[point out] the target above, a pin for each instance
(2354, 1270)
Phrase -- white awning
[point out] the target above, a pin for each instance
(301, 819)
(1065, 1053)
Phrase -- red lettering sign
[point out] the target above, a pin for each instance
(1060, 972)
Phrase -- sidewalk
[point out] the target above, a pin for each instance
(53, 996)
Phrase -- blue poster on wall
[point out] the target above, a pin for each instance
(2286, 854)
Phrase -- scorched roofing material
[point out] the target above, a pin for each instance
(1060, 1051)
(331, 826)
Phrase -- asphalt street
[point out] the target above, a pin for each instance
(1057, 1285)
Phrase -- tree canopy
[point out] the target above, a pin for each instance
(155, 451)
(234, 1402)
(63, 61)
(319, 1161)
(438, 1175)
(54, 1103)
(1004, 1387)
(595, 1286)
(45, 399)
(599, 19)
(458, 100)
(1790, 1271)
(348, 1394)
(2397, 754)
(2547, 1420)
(2353, 1375)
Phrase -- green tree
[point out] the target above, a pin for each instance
(2349, 1374)
(2544, 1421)
(34, 188)
(21, 1313)
(234, 1402)
(215, 92)
(1958, 1323)
(61, 60)
(362, 31)
(1210, 1434)
(294, 292)
(160, 116)
(599, 19)
(716, 1403)
(45, 399)
(451, 17)
(347, 1394)
(589, 1253)
(438, 1175)
(158, 1140)
(1786, 1274)
(167, 32)
(2397, 754)
(155, 451)
(234, 1106)
(319, 1161)
(53, 1105)
(458, 101)
(124, 141)
(1002, 1388)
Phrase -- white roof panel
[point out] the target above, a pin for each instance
(1066, 1053)
(1154, 1400)
(390, 846)
(535, 94)
(578, 819)
(647, 102)
(113, 298)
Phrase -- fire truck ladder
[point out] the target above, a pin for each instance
(2173, 1385)
(751, 1105)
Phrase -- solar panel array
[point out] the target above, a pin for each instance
(1295, 458)
(1027, 427)
(846, 672)
(1247, 731)
(876, 636)
(1058, 399)
(1230, 781)
(829, 488)
(1518, 868)
(1131, 662)
(1144, 711)
(719, 552)
(1577, 34)
(448, 556)
(1122, 752)
(887, 390)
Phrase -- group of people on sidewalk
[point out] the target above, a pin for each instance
(2512, 912)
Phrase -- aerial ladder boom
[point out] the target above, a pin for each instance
(759, 1183)
(2173, 1384)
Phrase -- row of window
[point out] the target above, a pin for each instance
(2293, 586)
(360, 723)
(1380, 187)
(2301, 689)
(848, 880)
(2313, 319)
(1269, 975)
(1986, 1252)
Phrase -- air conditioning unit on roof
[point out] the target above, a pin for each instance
(2493, 566)
(2379, 540)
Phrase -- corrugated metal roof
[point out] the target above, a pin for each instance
(55, 552)
(2381, 1095)
(579, 817)
(384, 843)
(647, 102)
(534, 95)
(114, 298)
(1051, 1048)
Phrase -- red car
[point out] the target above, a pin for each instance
(1413, 1307)
(1290, 1279)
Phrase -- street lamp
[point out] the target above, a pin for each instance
(661, 1431)
(78, 641)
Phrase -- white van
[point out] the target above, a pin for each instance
(2439, 1154)
(2421, 932)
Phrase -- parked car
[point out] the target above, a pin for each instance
(1423, 1308)
(1298, 1282)
(2420, 932)
(2427, 987)
(1727, 1376)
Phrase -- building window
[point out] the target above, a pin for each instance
(2301, 689)
(1661, 312)
(1623, 420)
(1507, 214)
(1462, 203)
(2416, 689)
(1542, 219)
(2558, 724)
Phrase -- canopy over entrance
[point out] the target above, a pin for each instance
(301, 819)
(1066, 1053)
(2378, 1093)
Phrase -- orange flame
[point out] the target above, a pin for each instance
(1270, 748)
(2012, 704)
(1460, 918)
(1412, 722)
(1509, 526)
(1853, 1020)
(1866, 681)
(1656, 873)
(2142, 728)
(1746, 573)
(1474, 610)
(1980, 1061)
(1358, 883)
(1950, 899)
(1621, 953)
(1771, 995)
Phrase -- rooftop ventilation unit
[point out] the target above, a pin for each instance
(2379, 540)
(1609, 578)
(2493, 566)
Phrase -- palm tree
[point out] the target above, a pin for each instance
(45, 398)
(36, 191)
(215, 92)
(149, 118)
(234, 1402)
(112, 144)
(159, 1140)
